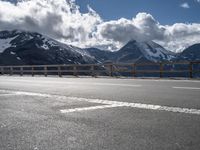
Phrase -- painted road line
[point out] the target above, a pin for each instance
(141, 106)
(113, 84)
(89, 108)
(187, 88)
(113, 103)
(10, 94)
(75, 83)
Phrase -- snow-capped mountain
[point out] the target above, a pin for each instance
(136, 51)
(191, 53)
(28, 48)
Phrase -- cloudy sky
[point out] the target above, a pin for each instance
(107, 24)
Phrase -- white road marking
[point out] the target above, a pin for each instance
(111, 84)
(141, 106)
(168, 80)
(10, 94)
(187, 88)
(110, 104)
(76, 83)
(89, 108)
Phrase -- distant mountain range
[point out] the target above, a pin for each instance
(28, 48)
(135, 51)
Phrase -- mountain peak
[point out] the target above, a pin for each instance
(147, 50)
(191, 53)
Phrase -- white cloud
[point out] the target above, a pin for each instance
(185, 5)
(59, 19)
(62, 20)
(144, 27)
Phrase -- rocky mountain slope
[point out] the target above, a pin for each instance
(27, 48)
(191, 53)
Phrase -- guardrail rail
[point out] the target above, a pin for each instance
(162, 69)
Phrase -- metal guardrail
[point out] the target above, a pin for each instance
(110, 69)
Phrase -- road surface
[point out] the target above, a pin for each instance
(38, 113)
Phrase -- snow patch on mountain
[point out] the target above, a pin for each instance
(44, 46)
(154, 52)
(12, 53)
(5, 43)
(48, 43)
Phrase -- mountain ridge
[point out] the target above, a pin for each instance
(31, 48)
(192, 53)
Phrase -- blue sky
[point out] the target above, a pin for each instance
(165, 11)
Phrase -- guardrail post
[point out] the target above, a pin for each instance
(32, 71)
(45, 71)
(75, 70)
(2, 70)
(92, 71)
(21, 71)
(134, 70)
(161, 70)
(59, 71)
(11, 71)
(111, 70)
(191, 69)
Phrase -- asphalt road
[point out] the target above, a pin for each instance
(38, 113)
